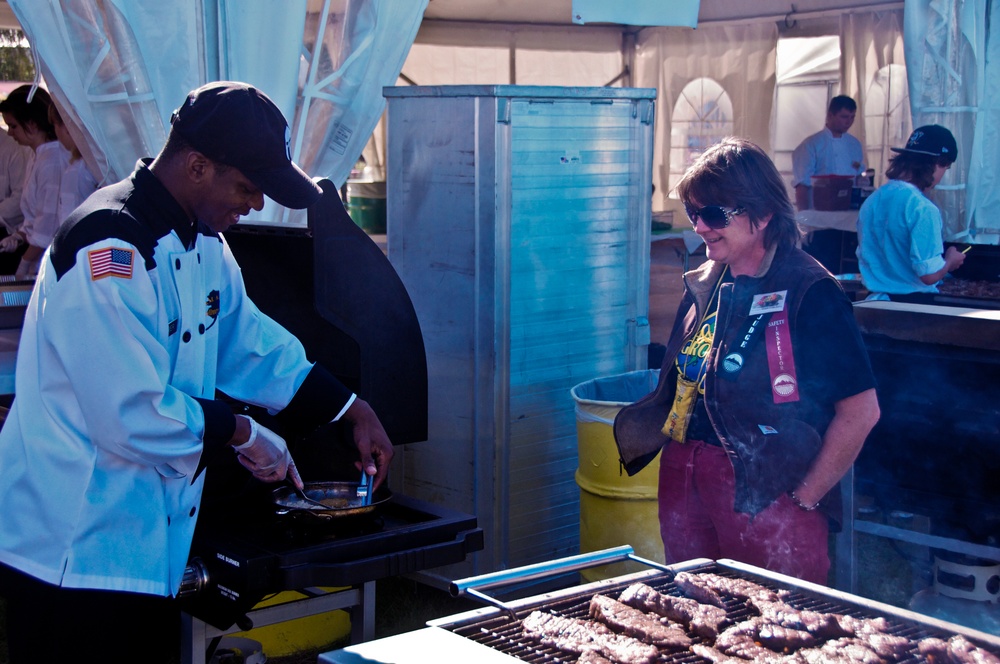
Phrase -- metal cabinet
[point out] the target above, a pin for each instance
(519, 221)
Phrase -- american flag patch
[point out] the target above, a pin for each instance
(110, 263)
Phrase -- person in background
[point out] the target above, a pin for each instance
(754, 423)
(900, 251)
(76, 183)
(26, 114)
(139, 319)
(15, 161)
(830, 151)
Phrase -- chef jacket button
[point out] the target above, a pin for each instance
(186, 337)
(177, 263)
(201, 329)
(193, 510)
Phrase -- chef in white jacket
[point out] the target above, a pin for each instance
(138, 316)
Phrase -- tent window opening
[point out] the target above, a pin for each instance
(808, 76)
(702, 116)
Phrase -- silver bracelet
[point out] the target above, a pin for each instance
(801, 505)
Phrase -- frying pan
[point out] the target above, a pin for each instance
(341, 499)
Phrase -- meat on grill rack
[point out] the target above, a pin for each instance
(578, 636)
(591, 657)
(753, 624)
(818, 623)
(956, 650)
(702, 619)
(633, 622)
(711, 585)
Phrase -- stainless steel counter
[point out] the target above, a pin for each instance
(431, 644)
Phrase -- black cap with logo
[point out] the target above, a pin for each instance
(238, 125)
(933, 141)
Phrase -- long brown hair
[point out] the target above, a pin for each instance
(56, 119)
(917, 169)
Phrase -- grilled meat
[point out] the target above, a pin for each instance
(579, 636)
(760, 633)
(840, 651)
(708, 588)
(988, 290)
(887, 646)
(863, 626)
(591, 657)
(956, 650)
(633, 622)
(740, 588)
(701, 619)
(697, 589)
(821, 625)
(716, 656)
(784, 639)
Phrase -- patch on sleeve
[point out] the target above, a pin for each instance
(110, 262)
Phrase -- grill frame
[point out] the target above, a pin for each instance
(496, 630)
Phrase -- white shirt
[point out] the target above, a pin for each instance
(40, 198)
(899, 240)
(824, 154)
(15, 161)
(77, 183)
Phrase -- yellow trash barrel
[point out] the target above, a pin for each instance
(615, 509)
(300, 635)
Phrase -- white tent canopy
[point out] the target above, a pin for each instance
(121, 73)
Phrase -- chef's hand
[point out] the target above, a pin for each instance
(11, 243)
(265, 453)
(371, 440)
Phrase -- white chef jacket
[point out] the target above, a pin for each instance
(134, 322)
(823, 154)
(40, 198)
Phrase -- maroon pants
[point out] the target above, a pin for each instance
(697, 520)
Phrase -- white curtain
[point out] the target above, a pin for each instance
(870, 44)
(741, 58)
(953, 83)
(120, 67)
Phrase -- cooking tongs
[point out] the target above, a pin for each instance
(365, 488)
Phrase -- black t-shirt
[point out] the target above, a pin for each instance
(831, 362)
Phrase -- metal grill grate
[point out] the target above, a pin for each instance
(501, 633)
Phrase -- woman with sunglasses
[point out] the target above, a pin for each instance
(766, 394)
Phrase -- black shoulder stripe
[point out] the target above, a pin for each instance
(102, 217)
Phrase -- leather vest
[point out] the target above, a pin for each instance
(771, 445)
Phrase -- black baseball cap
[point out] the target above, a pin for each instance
(238, 125)
(933, 141)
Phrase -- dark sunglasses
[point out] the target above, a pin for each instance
(714, 216)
